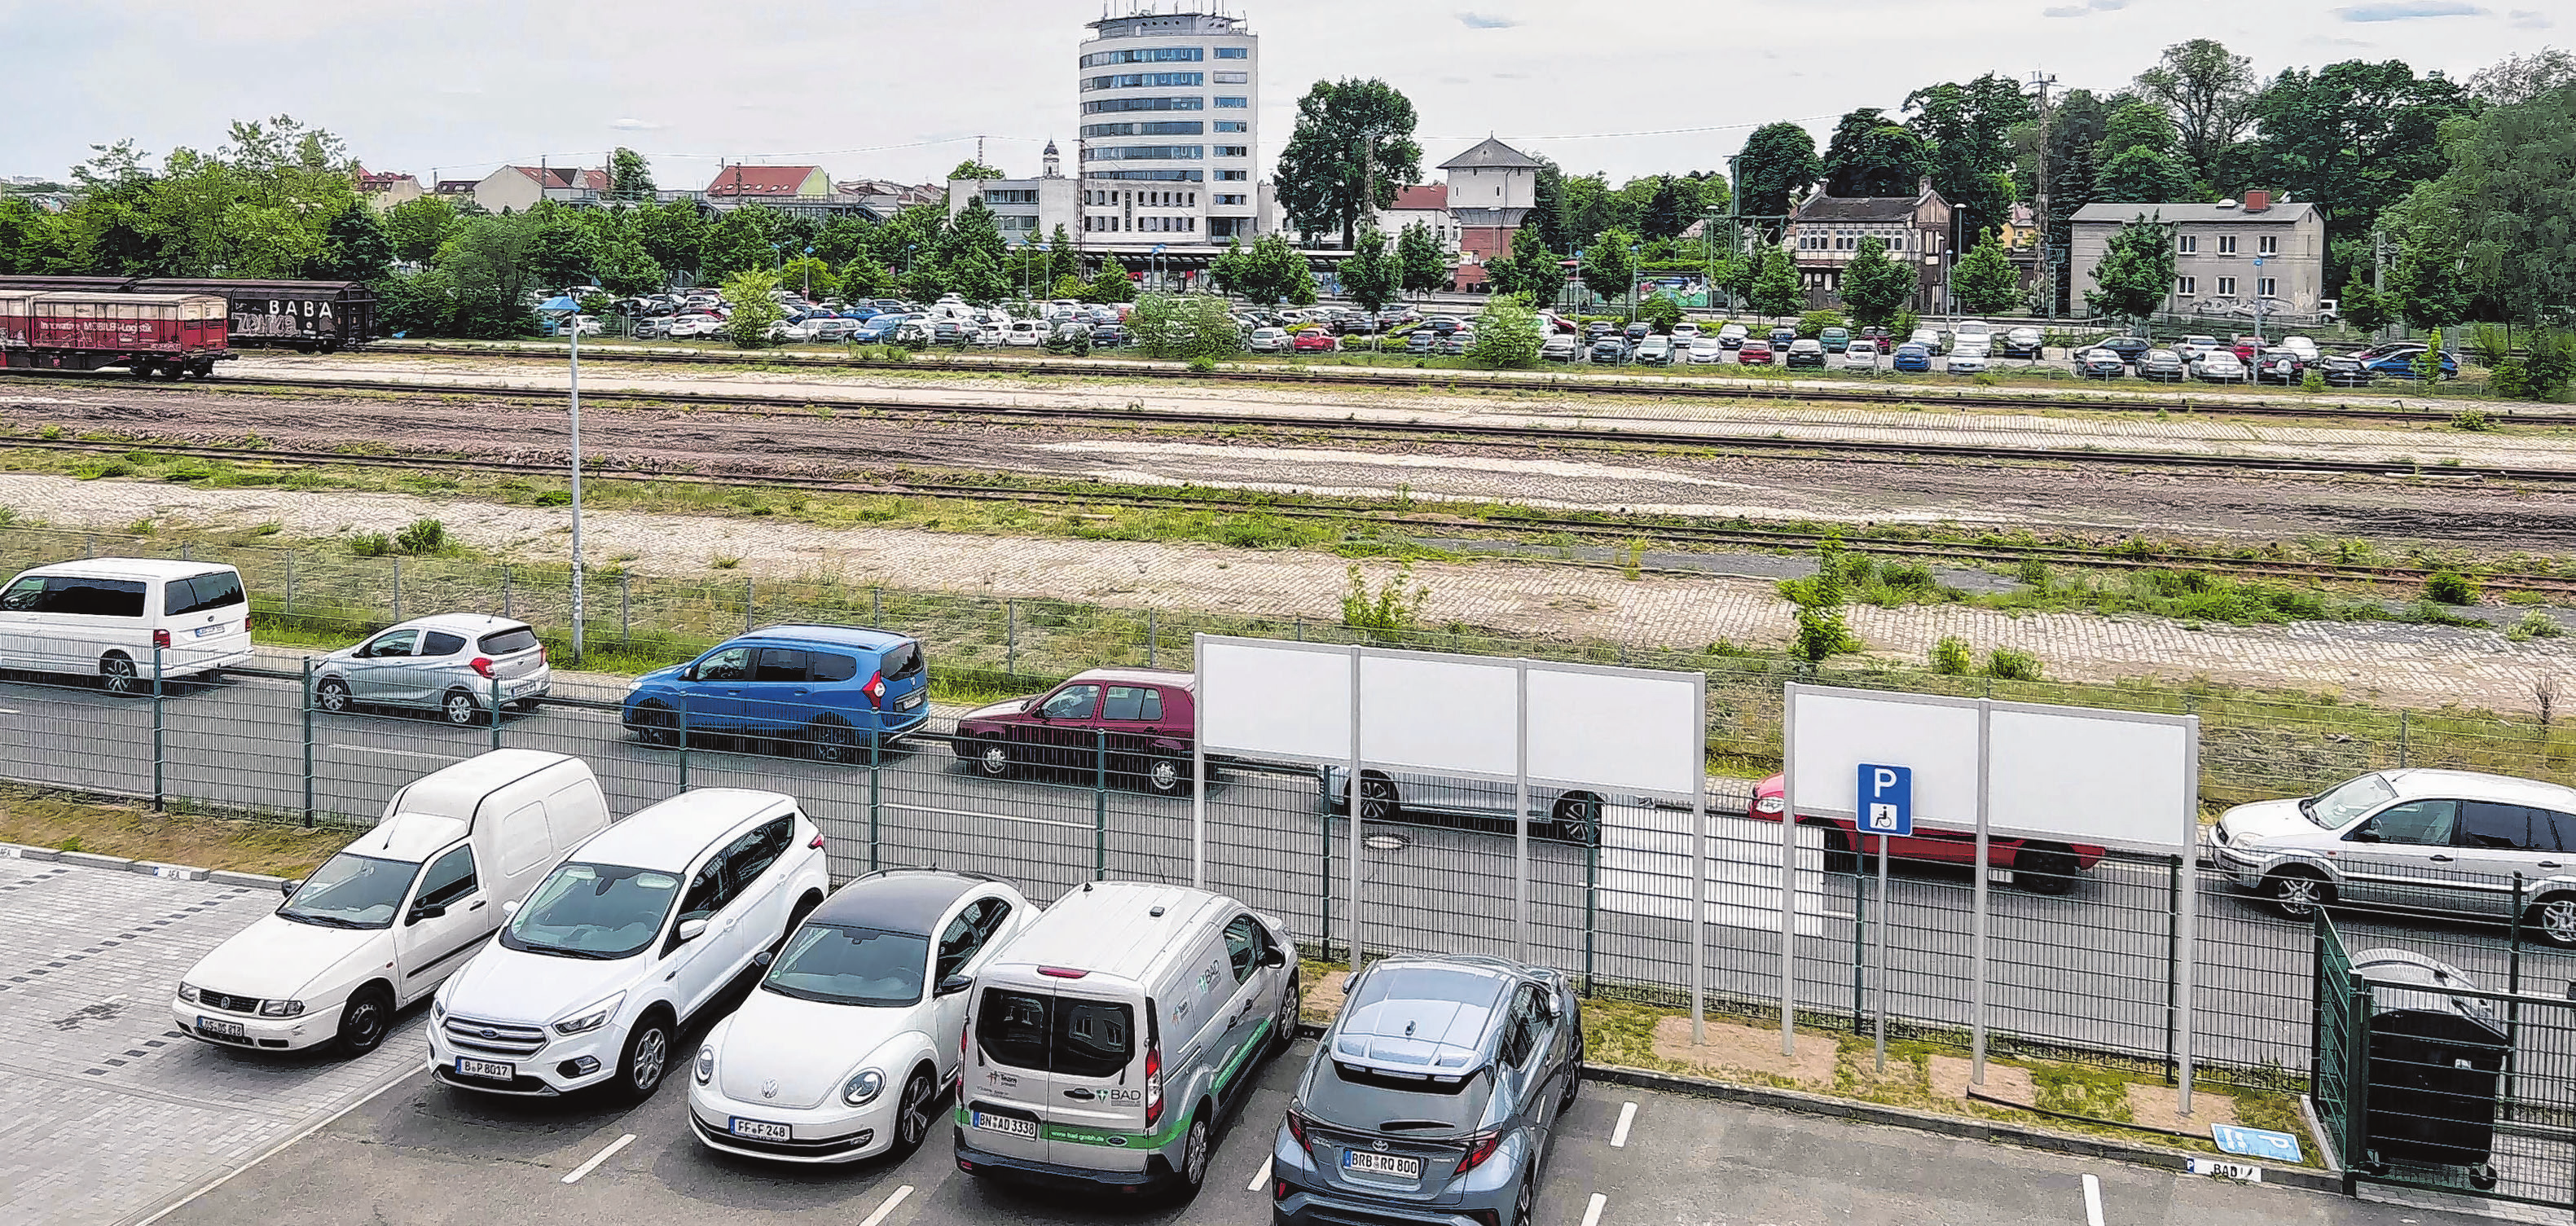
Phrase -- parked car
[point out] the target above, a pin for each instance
(1597, 329)
(1126, 1010)
(1609, 351)
(1024, 334)
(1805, 351)
(1140, 718)
(1571, 815)
(1731, 335)
(1560, 347)
(2100, 363)
(1705, 350)
(2193, 347)
(828, 688)
(1433, 1097)
(2305, 347)
(2163, 366)
(453, 663)
(1267, 340)
(1313, 340)
(2219, 366)
(1782, 337)
(1109, 336)
(1964, 329)
(1966, 362)
(1421, 340)
(852, 1038)
(1685, 332)
(1930, 339)
(645, 924)
(2038, 865)
(2279, 365)
(2130, 348)
(1655, 351)
(1912, 358)
(1456, 344)
(1443, 325)
(398, 910)
(2419, 840)
(2022, 343)
(2344, 370)
(1836, 340)
(1875, 332)
(1861, 355)
(2245, 347)
(1637, 331)
(2398, 361)
(117, 619)
(1754, 353)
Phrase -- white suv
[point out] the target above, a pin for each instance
(639, 928)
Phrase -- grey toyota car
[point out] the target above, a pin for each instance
(1432, 1097)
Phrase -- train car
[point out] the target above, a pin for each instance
(153, 335)
(312, 316)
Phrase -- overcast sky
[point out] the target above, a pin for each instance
(901, 88)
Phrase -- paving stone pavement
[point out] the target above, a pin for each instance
(106, 1111)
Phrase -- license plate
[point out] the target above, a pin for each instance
(521, 687)
(203, 631)
(489, 1070)
(1026, 1130)
(1381, 1164)
(758, 1130)
(908, 701)
(230, 1030)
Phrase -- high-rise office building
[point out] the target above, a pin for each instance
(1167, 133)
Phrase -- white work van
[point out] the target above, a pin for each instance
(384, 922)
(112, 618)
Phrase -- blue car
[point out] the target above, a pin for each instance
(1912, 357)
(879, 329)
(2397, 361)
(826, 688)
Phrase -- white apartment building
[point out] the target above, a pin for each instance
(1167, 133)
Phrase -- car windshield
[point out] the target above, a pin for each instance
(2340, 805)
(598, 911)
(840, 964)
(1357, 1098)
(351, 891)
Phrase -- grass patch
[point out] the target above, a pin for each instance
(242, 845)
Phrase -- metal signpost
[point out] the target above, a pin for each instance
(1887, 811)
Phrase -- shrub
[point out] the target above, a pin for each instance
(2006, 664)
(1813, 323)
(2450, 587)
(371, 545)
(1821, 633)
(2472, 420)
(1907, 576)
(1391, 609)
(421, 536)
(1507, 333)
(1951, 657)
(2312, 382)
(2491, 343)
(2536, 624)
(2034, 572)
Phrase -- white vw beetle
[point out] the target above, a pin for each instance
(852, 1038)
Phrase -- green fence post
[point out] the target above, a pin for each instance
(625, 602)
(290, 585)
(307, 704)
(1860, 948)
(397, 597)
(157, 744)
(2356, 1117)
(1325, 944)
(1100, 804)
(1011, 638)
(1591, 905)
(496, 712)
(876, 607)
(1149, 638)
(876, 793)
(2173, 957)
(746, 606)
(682, 713)
(2513, 1007)
(2401, 738)
(506, 594)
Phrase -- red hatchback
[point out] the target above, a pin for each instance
(2038, 866)
(1754, 353)
(1135, 723)
(1314, 340)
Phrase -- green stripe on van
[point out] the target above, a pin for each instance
(1075, 1134)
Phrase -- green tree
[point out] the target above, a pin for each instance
(2364, 307)
(1422, 264)
(2210, 93)
(741, 238)
(1778, 163)
(419, 226)
(2143, 176)
(355, 247)
(1111, 283)
(2512, 189)
(1608, 266)
(1874, 286)
(2517, 79)
(753, 309)
(977, 278)
(2429, 282)
(1352, 146)
(1674, 204)
(1507, 333)
(810, 278)
(973, 168)
(1775, 287)
(1370, 276)
(2353, 138)
(1985, 281)
(674, 234)
(864, 277)
(2135, 125)
(1872, 155)
(1530, 269)
(624, 266)
(630, 177)
(1661, 310)
(486, 274)
(1267, 272)
(2136, 272)
(1967, 137)
(1185, 327)
(29, 242)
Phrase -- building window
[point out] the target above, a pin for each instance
(2226, 244)
(1232, 78)
(2227, 287)
(1145, 55)
(1231, 125)
(2267, 287)
(1234, 53)
(1234, 176)
(1232, 104)
(1155, 153)
(1234, 151)
(1107, 106)
(1225, 198)
(1145, 80)
(2187, 244)
(2269, 244)
(1159, 127)
(1151, 176)
(1011, 197)
(1896, 242)
(2186, 286)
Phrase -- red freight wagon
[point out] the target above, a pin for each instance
(168, 335)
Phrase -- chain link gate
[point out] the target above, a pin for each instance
(2338, 1073)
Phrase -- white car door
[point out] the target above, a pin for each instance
(696, 969)
(447, 919)
(965, 943)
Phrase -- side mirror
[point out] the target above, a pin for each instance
(691, 929)
(763, 958)
(427, 910)
(510, 908)
(288, 888)
(954, 984)
(1276, 957)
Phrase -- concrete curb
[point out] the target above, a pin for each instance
(15, 851)
(148, 868)
(1955, 1126)
(225, 876)
(88, 859)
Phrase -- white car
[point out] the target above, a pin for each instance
(381, 924)
(1267, 340)
(1707, 351)
(2305, 347)
(1929, 338)
(696, 325)
(2219, 366)
(1863, 353)
(642, 926)
(1731, 335)
(1685, 331)
(1967, 362)
(1024, 334)
(851, 1040)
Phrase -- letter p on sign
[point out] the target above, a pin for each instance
(1885, 804)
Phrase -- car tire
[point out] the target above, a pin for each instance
(1292, 1004)
(655, 725)
(364, 1021)
(116, 675)
(912, 1114)
(460, 709)
(2045, 870)
(832, 741)
(1525, 1200)
(1574, 1075)
(333, 696)
(994, 758)
(1167, 776)
(2298, 893)
(647, 1058)
(1577, 818)
(1196, 1145)
(2553, 920)
(1379, 801)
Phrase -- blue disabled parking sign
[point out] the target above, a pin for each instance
(2255, 1142)
(1886, 800)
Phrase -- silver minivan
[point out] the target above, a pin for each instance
(452, 663)
(1110, 1040)
(2425, 840)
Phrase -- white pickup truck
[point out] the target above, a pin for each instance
(383, 923)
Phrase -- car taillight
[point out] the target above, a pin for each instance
(1278, 1189)
(817, 844)
(1771, 804)
(1297, 1128)
(1153, 1085)
(482, 666)
(1479, 1147)
(160, 638)
(875, 689)
(542, 654)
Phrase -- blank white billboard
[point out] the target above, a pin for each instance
(1276, 699)
(1645, 869)
(1440, 713)
(1635, 730)
(1833, 731)
(2107, 777)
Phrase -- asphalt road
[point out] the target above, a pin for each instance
(2092, 968)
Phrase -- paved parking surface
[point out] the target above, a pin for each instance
(105, 1110)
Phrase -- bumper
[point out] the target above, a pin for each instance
(815, 1136)
(1156, 1175)
(315, 1028)
(190, 664)
(549, 1071)
(1303, 1207)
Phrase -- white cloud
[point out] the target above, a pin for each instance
(2086, 9)
(2409, 10)
(1481, 21)
(637, 125)
(2526, 19)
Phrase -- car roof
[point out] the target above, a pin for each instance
(468, 623)
(128, 568)
(1155, 676)
(670, 836)
(1112, 929)
(2426, 782)
(839, 636)
(899, 899)
(1424, 1016)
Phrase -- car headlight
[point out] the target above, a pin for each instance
(1771, 804)
(281, 1008)
(591, 1018)
(706, 1063)
(188, 993)
(863, 1087)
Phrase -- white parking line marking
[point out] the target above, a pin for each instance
(399, 753)
(1260, 1179)
(1592, 1212)
(597, 1158)
(1627, 1116)
(2092, 1201)
(888, 1207)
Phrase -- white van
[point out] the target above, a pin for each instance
(372, 930)
(110, 618)
(1108, 1041)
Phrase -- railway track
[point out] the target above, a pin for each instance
(1623, 530)
(1486, 434)
(1657, 387)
